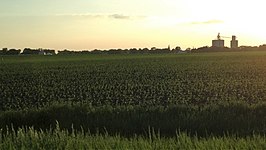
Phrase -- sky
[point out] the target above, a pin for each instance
(108, 24)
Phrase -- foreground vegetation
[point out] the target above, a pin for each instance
(208, 98)
(232, 119)
(29, 138)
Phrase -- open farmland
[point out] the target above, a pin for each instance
(145, 80)
(204, 94)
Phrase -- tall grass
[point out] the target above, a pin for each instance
(235, 118)
(29, 138)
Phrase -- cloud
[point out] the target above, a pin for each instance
(88, 15)
(110, 16)
(207, 22)
(119, 16)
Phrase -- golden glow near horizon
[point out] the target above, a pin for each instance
(106, 24)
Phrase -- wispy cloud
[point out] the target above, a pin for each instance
(88, 15)
(119, 16)
(110, 16)
(206, 22)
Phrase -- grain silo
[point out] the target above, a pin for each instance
(234, 42)
(218, 42)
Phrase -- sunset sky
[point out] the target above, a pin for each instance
(106, 24)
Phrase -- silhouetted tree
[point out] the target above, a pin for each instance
(5, 50)
(13, 52)
(28, 51)
(49, 52)
(133, 51)
(176, 49)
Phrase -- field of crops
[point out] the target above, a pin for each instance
(149, 80)
(203, 94)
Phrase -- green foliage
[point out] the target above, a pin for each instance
(29, 138)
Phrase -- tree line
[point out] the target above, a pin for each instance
(27, 51)
(153, 50)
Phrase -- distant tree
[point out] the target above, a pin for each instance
(65, 52)
(13, 52)
(5, 50)
(49, 51)
(176, 49)
(262, 47)
(96, 51)
(28, 51)
(153, 48)
(133, 50)
(188, 50)
(145, 50)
